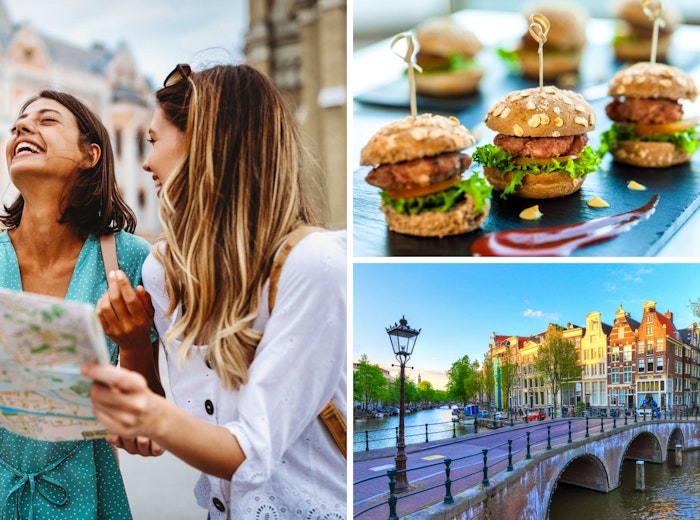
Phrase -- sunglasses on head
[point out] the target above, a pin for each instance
(181, 71)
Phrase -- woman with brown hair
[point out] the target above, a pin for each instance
(256, 346)
(59, 157)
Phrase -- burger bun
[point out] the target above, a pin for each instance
(443, 37)
(542, 186)
(410, 138)
(461, 218)
(546, 112)
(449, 83)
(649, 154)
(653, 81)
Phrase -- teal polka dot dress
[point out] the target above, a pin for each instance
(66, 480)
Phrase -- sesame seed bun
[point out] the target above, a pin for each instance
(653, 81)
(411, 138)
(546, 112)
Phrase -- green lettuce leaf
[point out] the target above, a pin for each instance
(686, 140)
(495, 157)
(476, 186)
(455, 62)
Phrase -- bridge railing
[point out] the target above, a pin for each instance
(364, 440)
(463, 472)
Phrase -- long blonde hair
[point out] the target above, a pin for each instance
(227, 208)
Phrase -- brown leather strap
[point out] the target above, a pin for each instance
(331, 417)
(109, 257)
(109, 253)
(335, 423)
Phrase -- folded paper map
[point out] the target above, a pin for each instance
(43, 343)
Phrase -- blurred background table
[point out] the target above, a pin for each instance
(380, 92)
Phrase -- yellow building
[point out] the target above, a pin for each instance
(594, 349)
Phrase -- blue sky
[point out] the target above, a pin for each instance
(458, 306)
(160, 33)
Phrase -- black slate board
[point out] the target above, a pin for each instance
(678, 187)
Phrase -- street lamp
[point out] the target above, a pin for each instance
(403, 339)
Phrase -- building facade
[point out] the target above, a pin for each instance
(107, 80)
(624, 365)
(301, 45)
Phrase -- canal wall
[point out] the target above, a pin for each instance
(593, 463)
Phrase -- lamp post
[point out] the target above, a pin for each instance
(403, 339)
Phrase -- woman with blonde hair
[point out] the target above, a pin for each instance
(254, 326)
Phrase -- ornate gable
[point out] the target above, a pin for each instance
(27, 48)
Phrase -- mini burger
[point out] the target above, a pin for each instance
(540, 150)
(649, 128)
(446, 56)
(564, 46)
(633, 34)
(418, 164)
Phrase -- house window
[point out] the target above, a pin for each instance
(650, 364)
(640, 366)
(627, 354)
(640, 347)
(650, 347)
(613, 397)
(614, 375)
(659, 364)
(615, 355)
(627, 375)
(659, 344)
(650, 318)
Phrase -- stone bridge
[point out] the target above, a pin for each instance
(594, 463)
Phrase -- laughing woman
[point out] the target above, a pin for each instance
(59, 157)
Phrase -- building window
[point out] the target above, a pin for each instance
(613, 397)
(615, 355)
(640, 366)
(640, 347)
(650, 364)
(659, 344)
(614, 375)
(627, 375)
(650, 318)
(620, 333)
(118, 142)
(627, 353)
(659, 364)
(650, 347)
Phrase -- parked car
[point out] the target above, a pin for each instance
(499, 415)
(482, 414)
(535, 415)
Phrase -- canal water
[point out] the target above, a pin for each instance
(671, 493)
(382, 432)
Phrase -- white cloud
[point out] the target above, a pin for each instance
(548, 316)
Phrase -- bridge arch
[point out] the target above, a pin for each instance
(646, 446)
(586, 471)
(675, 438)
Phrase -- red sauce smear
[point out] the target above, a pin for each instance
(560, 240)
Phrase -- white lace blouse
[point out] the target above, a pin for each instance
(293, 469)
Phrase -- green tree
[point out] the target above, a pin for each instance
(509, 372)
(695, 307)
(368, 383)
(463, 380)
(557, 361)
(410, 389)
(487, 380)
(427, 392)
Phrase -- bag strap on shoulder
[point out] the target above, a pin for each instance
(109, 253)
(330, 415)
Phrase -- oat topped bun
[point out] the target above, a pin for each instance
(411, 138)
(632, 12)
(567, 23)
(653, 81)
(546, 112)
(443, 37)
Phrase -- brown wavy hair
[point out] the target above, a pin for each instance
(227, 208)
(91, 202)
